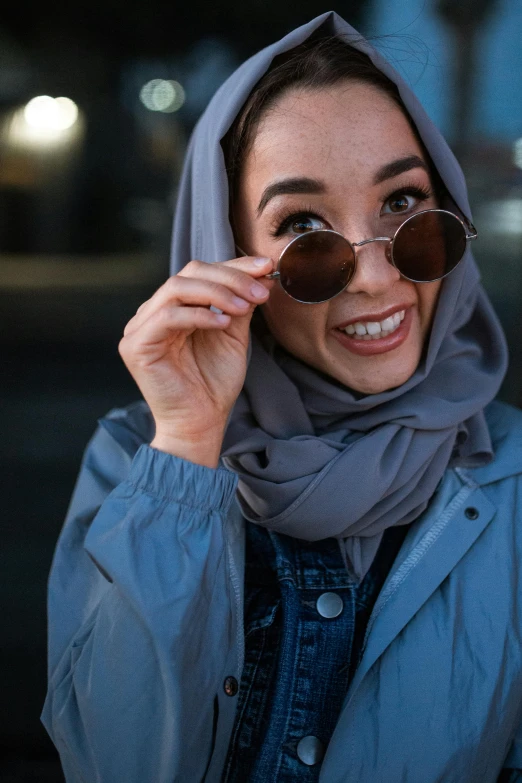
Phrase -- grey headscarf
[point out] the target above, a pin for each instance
(315, 460)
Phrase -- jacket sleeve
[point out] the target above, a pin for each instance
(140, 626)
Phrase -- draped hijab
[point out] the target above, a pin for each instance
(314, 459)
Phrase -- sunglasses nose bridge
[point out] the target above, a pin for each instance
(387, 249)
(369, 241)
(374, 275)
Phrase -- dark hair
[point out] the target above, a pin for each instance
(317, 63)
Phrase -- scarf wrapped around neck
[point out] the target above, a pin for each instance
(314, 459)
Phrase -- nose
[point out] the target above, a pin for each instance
(374, 274)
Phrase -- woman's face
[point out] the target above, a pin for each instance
(344, 139)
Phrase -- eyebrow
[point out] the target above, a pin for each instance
(289, 186)
(301, 185)
(399, 166)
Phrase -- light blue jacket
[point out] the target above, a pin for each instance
(145, 618)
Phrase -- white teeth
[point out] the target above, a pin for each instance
(374, 330)
(387, 324)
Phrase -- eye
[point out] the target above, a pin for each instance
(305, 223)
(405, 200)
(297, 223)
(401, 203)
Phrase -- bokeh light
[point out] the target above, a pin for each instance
(505, 216)
(50, 114)
(44, 122)
(163, 95)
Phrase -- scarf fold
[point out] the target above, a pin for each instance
(315, 460)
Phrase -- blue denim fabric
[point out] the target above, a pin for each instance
(298, 664)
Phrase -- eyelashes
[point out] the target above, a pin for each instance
(422, 192)
(419, 193)
(284, 217)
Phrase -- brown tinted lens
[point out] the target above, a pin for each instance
(316, 266)
(428, 246)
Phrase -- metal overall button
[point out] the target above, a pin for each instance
(310, 750)
(329, 605)
(471, 512)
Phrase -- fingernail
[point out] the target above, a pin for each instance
(240, 302)
(261, 261)
(258, 291)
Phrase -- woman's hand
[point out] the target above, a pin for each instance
(189, 362)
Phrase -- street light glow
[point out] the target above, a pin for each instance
(45, 114)
(44, 123)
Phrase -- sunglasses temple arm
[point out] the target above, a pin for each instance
(471, 229)
(271, 276)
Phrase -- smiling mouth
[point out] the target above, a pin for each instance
(374, 330)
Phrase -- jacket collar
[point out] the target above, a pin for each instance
(440, 538)
(505, 427)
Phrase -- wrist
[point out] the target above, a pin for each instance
(202, 448)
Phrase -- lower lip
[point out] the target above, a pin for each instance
(383, 344)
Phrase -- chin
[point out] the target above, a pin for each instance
(376, 388)
(374, 380)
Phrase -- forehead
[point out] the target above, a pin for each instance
(350, 128)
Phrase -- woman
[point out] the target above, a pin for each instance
(354, 615)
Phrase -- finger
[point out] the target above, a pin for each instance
(160, 327)
(236, 274)
(247, 276)
(237, 271)
(237, 281)
(190, 292)
(256, 266)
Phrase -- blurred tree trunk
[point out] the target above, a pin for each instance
(465, 18)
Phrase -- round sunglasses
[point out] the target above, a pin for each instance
(316, 266)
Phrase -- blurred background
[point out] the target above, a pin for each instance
(96, 105)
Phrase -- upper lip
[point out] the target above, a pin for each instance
(375, 317)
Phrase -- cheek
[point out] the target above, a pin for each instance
(428, 295)
(292, 324)
(282, 315)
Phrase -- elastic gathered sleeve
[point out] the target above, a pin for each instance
(140, 619)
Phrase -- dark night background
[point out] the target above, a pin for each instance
(85, 215)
